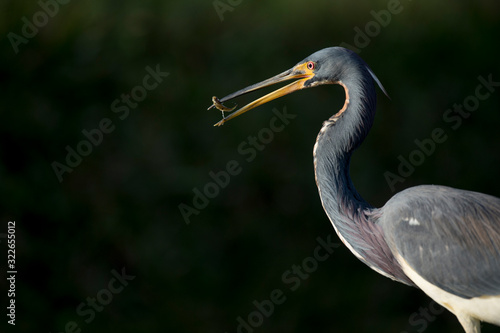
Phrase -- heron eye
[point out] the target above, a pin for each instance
(311, 65)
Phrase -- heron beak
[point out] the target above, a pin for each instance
(300, 72)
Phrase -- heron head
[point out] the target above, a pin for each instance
(328, 66)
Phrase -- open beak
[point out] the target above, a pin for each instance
(300, 72)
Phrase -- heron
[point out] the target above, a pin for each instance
(443, 240)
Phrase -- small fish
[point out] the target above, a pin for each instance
(220, 106)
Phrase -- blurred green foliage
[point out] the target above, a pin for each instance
(119, 207)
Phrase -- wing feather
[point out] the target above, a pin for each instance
(450, 237)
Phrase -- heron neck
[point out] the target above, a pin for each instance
(340, 135)
(352, 217)
(338, 138)
(340, 199)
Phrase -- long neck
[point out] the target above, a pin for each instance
(340, 135)
(352, 217)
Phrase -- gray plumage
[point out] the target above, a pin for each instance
(442, 240)
(453, 240)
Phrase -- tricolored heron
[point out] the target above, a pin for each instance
(443, 240)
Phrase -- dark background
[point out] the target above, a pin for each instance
(119, 208)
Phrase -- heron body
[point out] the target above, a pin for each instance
(443, 240)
